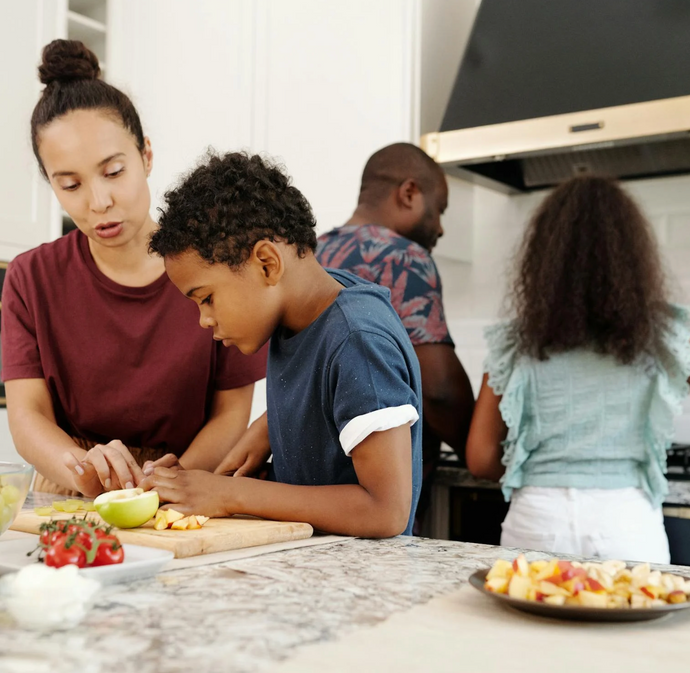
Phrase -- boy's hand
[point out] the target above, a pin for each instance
(168, 460)
(243, 460)
(192, 491)
(250, 453)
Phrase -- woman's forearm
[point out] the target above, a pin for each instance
(42, 443)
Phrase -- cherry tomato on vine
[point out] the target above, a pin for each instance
(62, 553)
(109, 552)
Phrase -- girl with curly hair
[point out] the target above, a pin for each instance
(576, 409)
(105, 364)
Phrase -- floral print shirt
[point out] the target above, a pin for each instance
(381, 256)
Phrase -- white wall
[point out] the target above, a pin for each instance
(318, 85)
(445, 29)
(187, 67)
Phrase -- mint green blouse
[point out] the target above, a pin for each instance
(583, 420)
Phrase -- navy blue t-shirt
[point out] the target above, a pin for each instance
(324, 383)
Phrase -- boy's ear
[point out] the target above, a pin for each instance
(268, 257)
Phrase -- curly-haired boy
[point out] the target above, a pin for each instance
(343, 382)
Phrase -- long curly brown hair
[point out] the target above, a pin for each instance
(589, 275)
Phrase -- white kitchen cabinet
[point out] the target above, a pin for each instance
(27, 212)
(319, 85)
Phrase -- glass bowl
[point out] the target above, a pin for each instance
(15, 481)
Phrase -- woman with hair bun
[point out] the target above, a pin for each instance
(105, 363)
(576, 409)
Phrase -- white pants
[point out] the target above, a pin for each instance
(605, 523)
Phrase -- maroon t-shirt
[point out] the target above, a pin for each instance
(128, 363)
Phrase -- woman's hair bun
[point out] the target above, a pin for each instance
(66, 60)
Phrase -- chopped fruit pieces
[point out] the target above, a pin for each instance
(519, 586)
(555, 600)
(498, 585)
(170, 518)
(594, 585)
(160, 521)
(677, 597)
(192, 523)
(520, 566)
(70, 506)
(501, 569)
(172, 515)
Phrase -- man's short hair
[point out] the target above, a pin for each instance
(388, 168)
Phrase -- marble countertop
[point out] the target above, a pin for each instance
(248, 615)
(456, 476)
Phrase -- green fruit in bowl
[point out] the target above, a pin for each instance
(128, 508)
(10, 494)
(15, 479)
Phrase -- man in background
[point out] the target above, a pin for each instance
(388, 240)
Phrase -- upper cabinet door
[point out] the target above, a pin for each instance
(27, 210)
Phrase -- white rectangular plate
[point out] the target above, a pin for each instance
(139, 561)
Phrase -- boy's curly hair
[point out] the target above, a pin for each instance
(229, 203)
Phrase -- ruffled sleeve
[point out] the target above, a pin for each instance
(508, 380)
(669, 391)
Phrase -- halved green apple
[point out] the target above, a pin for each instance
(128, 508)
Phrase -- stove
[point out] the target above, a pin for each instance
(678, 461)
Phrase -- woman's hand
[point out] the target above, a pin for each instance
(105, 467)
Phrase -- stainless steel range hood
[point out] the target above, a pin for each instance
(548, 89)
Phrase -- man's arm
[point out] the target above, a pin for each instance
(377, 507)
(447, 394)
(484, 445)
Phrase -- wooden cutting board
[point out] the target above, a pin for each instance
(216, 535)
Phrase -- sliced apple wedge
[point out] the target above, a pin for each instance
(180, 524)
(170, 518)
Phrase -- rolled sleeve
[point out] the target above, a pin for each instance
(371, 388)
